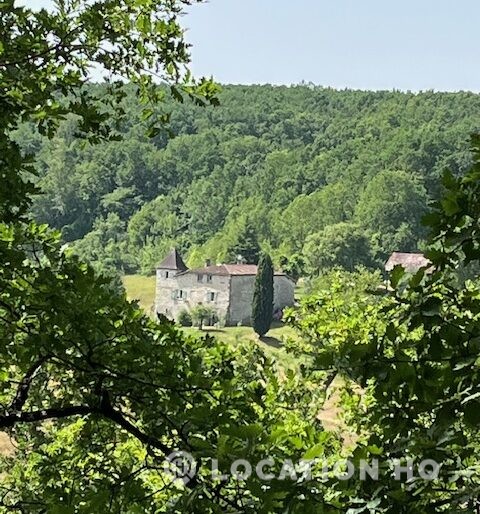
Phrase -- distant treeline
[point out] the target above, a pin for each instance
(315, 176)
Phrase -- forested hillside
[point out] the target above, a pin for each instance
(317, 176)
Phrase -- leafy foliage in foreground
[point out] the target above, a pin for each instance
(415, 354)
(94, 394)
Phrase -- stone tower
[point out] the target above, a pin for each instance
(166, 286)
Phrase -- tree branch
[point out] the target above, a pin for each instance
(11, 418)
(116, 416)
(23, 388)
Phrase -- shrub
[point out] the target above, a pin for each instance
(203, 314)
(185, 318)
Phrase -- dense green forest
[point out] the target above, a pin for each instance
(317, 177)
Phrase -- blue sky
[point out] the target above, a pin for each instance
(366, 44)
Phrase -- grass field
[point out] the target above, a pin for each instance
(141, 289)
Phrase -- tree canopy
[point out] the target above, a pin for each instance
(287, 161)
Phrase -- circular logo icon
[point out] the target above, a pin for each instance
(181, 465)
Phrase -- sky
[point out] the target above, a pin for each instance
(360, 44)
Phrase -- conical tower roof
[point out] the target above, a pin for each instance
(173, 261)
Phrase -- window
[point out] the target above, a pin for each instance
(210, 296)
(166, 274)
(179, 294)
(199, 278)
(209, 278)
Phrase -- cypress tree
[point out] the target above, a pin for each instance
(262, 306)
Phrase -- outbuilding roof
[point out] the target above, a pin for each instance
(411, 262)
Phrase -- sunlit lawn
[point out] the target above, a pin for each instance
(272, 343)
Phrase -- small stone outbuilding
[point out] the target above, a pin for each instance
(411, 262)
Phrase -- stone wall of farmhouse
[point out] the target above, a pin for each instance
(230, 296)
(185, 291)
(283, 292)
(242, 296)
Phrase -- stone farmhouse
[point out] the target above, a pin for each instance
(227, 288)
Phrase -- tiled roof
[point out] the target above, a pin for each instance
(411, 262)
(173, 261)
(229, 270)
